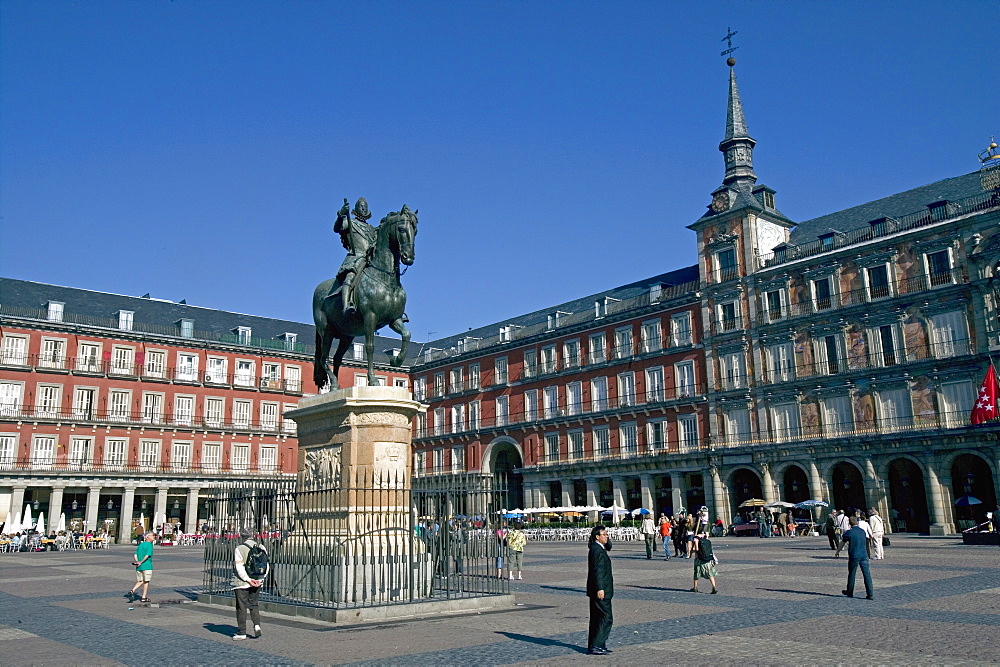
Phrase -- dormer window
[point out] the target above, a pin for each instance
(768, 199)
(290, 339)
(654, 292)
(54, 312)
(243, 335)
(187, 328)
(125, 320)
(826, 241)
(505, 333)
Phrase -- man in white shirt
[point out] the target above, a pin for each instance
(878, 532)
(648, 531)
(843, 525)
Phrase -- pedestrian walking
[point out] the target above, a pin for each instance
(665, 535)
(783, 523)
(143, 562)
(857, 556)
(878, 534)
(831, 529)
(843, 525)
(704, 562)
(600, 590)
(677, 532)
(689, 525)
(501, 536)
(250, 570)
(516, 541)
(648, 532)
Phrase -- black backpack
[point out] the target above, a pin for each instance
(256, 562)
(705, 549)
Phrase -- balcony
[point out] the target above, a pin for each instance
(143, 419)
(47, 466)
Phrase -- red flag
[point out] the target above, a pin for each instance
(985, 408)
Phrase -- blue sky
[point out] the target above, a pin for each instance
(200, 150)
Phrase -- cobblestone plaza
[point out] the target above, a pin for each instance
(780, 602)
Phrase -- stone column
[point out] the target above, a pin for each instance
(721, 507)
(619, 490)
(55, 507)
(874, 492)
(159, 508)
(17, 501)
(648, 493)
(542, 494)
(815, 482)
(593, 496)
(767, 485)
(191, 524)
(677, 490)
(940, 525)
(93, 500)
(125, 519)
(567, 493)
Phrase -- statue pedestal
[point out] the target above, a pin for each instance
(353, 539)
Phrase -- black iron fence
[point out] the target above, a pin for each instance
(379, 540)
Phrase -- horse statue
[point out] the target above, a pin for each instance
(379, 297)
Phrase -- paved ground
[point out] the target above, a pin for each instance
(937, 602)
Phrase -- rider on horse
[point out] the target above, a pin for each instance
(357, 236)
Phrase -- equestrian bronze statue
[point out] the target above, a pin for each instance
(366, 294)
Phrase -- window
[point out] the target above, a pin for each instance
(781, 362)
(438, 459)
(956, 402)
(530, 363)
(726, 260)
(268, 461)
(419, 389)
(774, 304)
(156, 364)
(54, 311)
(576, 444)
(505, 333)
(737, 425)
(293, 379)
(421, 424)
(939, 267)
(244, 373)
(500, 370)
(8, 452)
(949, 335)
(574, 398)
(655, 292)
(829, 354)
(270, 376)
(600, 308)
(656, 435)
(551, 446)
(149, 455)
(269, 416)
(786, 421)
(84, 402)
(123, 360)
(11, 394)
(822, 289)
(473, 376)
(438, 384)
(887, 350)
(571, 354)
(243, 335)
(438, 421)
(550, 402)
(626, 389)
(15, 350)
(599, 394)
(629, 439)
(549, 359)
(895, 409)
(456, 380)
(43, 452)
(687, 431)
(729, 313)
(53, 353)
(187, 367)
(215, 370)
(651, 336)
(290, 339)
(827, 241)
(88, 357)
(458, 459)
(531, 405)
(602, 441)
(457, 418)
(358, 350)
(80, 452)
(186, 328)
(420, 462)
(152, 408)
(878, 282)
(48, 396)
(733, 367)
(680, 329)
(597, 349)
(114, 453)
(214, 411)
(125, 320)
(623, 343)
(119, 403)
(684, 371)
(211, 456)
(654, 384)
(838, 418)
(242, 412)
(503, 410)
(288, 425)
(184, 410)
(180, 455)
(474, 415)
(240, 457)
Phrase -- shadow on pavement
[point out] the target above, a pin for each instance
(541, 641)
(220, 628)
(788, 590)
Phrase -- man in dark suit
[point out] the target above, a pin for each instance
(600, 589)
(856, 540)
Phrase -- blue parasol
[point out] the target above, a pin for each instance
(968, 501)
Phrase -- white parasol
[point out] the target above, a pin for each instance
(16, 526)
(8, 522)
(40, 526)
(62, 523)
(26, 521)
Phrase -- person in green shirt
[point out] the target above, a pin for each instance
(143, 567)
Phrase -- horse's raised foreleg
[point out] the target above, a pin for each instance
(370, 322)
(338, 357)
(399, 327)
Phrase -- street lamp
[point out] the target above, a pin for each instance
(36, 504)
(74, 505)
(111, 504)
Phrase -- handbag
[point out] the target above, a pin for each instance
(885, 541)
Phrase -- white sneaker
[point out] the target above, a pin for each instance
(256, 632)
(512, 577)
(239, 637)
(518, 577)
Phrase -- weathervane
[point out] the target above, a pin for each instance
(728, 39)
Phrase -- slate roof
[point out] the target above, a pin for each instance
(155, 315)
(894, 206)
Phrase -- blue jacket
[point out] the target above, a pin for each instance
(857, 539)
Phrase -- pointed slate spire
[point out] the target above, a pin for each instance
(737, 147)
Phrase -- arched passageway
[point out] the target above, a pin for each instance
(794, 485)
(744, 485)
(848, 488)
(506, 463)
(907, 497)
(972, 478)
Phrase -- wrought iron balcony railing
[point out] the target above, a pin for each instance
(47, 465)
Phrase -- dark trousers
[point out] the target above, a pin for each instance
(246, 600)
(852, 572)
(601, 621)
(650, 545)
(832, 535)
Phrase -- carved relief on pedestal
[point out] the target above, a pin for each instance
(390, 465)
(380, 419)
(322, 469)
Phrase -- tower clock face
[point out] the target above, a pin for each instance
(721, 201)
(768, 236)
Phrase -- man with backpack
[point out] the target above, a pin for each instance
(251, 569)
(704, 562)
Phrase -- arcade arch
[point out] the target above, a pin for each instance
(972, 477)
(503, 459)
(907, 496)
(847, 486)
